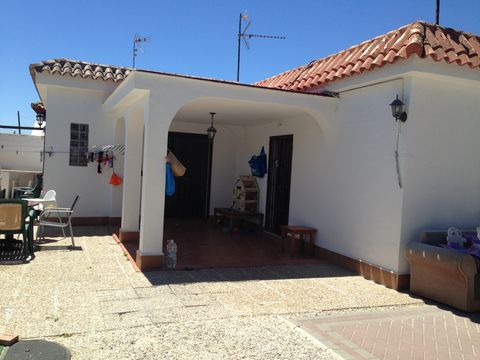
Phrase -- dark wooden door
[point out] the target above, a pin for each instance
(189, 198)
(278, 184)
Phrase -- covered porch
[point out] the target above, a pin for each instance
(203, 245)
(148, 108)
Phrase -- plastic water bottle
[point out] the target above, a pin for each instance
(171, 254)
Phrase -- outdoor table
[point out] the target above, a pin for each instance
(39, 201)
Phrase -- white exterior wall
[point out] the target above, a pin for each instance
(442, 176)
(343, 183)
(68, 105)
(21, 152)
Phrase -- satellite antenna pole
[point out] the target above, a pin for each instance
(437, 18)
(243, 16)
(137, 40)
(238, 45)
(19, 126)
(242, 34)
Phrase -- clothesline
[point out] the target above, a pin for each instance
(120, 149)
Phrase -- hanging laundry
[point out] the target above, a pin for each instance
(169, 181)
(99, 160)
(115, 179)
(258, 164)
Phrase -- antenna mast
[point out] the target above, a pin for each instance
(137, 41)
(242, 35)
(437, 17)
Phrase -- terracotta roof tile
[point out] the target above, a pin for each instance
(378, 60)
(474, 44)
(38, 107)
(80, 69)
(420, 38)
(348, 70)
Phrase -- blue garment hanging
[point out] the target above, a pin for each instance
(169, 181)
(258, 164)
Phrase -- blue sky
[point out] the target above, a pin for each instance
(196, 37)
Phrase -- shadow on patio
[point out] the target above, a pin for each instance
(284, 272)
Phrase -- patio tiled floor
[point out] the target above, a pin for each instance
(202, 245)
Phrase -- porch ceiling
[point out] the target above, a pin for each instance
(235, 112)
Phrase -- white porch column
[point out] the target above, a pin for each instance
(132, 176)
(157, 123)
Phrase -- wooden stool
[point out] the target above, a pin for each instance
(291, 231)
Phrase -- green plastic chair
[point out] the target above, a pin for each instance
(16, 218)
(27, 193)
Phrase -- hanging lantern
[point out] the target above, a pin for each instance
(211, 131)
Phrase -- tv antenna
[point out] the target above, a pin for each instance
(437, 14)
(137, 45)
(242, 35)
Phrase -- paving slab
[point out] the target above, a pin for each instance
(428, 332)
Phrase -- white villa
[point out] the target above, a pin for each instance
(329, 124)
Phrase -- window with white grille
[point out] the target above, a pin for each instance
(78, 144)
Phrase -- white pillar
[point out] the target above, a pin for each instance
(157, 123)
(132, 172)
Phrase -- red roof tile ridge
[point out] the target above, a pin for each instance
(84, 63)
(341, 52)
(85, 69)
(420, 38)
(74, 68)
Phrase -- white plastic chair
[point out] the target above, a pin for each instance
(49, 200)
(56, 217)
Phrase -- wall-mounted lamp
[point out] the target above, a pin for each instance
(211, 131)
(397, 107)
(40, 119)
(398, 114)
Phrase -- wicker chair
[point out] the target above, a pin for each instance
(15, 218)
